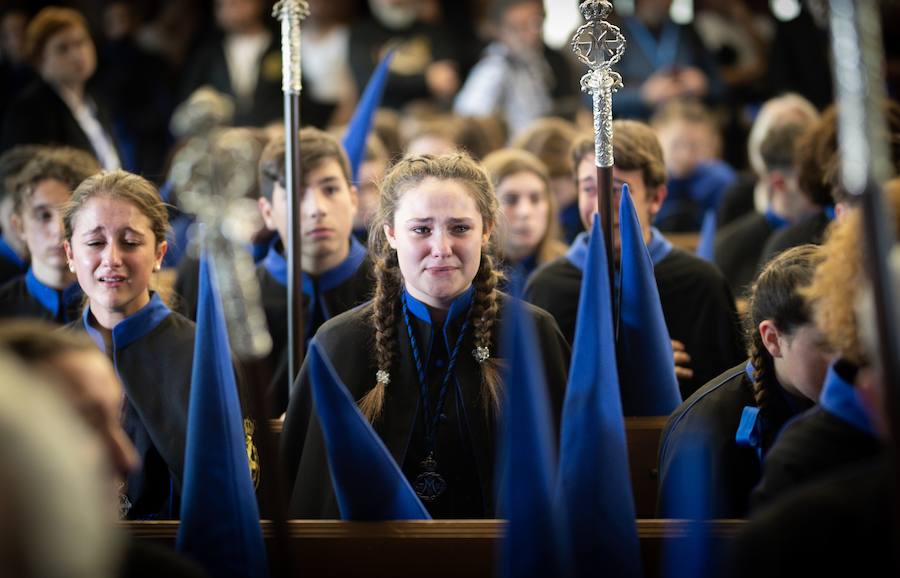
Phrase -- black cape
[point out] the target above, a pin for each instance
(153, 352)
(11, 264)
(350, 336)
(696, 301)
(815, 444)
(842, 525)
(40, 116)
(354, 287)
(26, 297)
(713, 413)
(738, 248)
(811, 230)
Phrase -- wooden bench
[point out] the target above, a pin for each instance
(642, 436)
(439, 548)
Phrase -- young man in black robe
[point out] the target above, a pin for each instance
(739, 244)
(48, 290)
(336, 269)
(697, 303)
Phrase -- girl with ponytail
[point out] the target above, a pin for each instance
(422, 354)
(739, 413)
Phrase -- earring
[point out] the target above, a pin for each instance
(71, 267)
(156, 268)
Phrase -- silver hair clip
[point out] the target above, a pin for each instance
(382, 377)
(481, 354)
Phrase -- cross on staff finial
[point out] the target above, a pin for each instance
(597, 43)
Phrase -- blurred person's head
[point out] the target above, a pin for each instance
(480, 135)
(841, 298)
(83, 374)
(639, 164)
(119, 20)
(688, 135)
(550, 139)
(371, 172)
(386, 125)
(522, 185)
(788, 108)
(43, 188)
(240, 16)
(395, 14)
(11, 164)
(831, 157)
(56, 515)
(436, 136)
(13, 23)
(60, 48)
(653, 13)
(327, 197)
(785, 196)
(519, 24)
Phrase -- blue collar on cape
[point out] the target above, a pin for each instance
(133, 327)
(49, 298)
(659, 248)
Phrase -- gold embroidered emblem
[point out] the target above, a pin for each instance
(271, 67)
(252, 454)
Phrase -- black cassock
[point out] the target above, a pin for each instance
(738, 248)
(325, 296)
(714, 413)
(696, 301)
(465, 449)
(25, 296)
(831, 436)
(153, 351)
(11, 264)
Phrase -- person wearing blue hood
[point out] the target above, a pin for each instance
(838, 432)
(48, 289)
(337, 274)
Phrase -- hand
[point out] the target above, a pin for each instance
(442, 79)
(682, 360)
(659, 87)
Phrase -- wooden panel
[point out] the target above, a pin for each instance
(439, 548)
(642, 435)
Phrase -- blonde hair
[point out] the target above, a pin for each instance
(408, 173)
(507, 162)
(841, 277)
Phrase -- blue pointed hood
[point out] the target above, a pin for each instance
(368, 484)
(646, 363)
(219, 515)
(361, 123)
(594, 481)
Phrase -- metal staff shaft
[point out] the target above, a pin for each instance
(599, 45)
(291, 12)
(865, 166)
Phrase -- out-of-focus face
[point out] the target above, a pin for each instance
(803, 361)
(12, 35)
(645, 207)
(370, 175)
(40, 225)
(522, 26)
(69, 57)
(523, 199)
(91, 385)
(115, 253)
(238, 15)
(685, 145)
(430, 144)
(438, 233)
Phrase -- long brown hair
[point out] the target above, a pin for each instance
(402, 178)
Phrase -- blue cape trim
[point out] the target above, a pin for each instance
(458, 307)
(6, 252)
(133, 327)
(840, 398)
(48, 297)
(659, 248)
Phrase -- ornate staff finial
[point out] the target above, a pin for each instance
(599, 45)
(290, 13)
